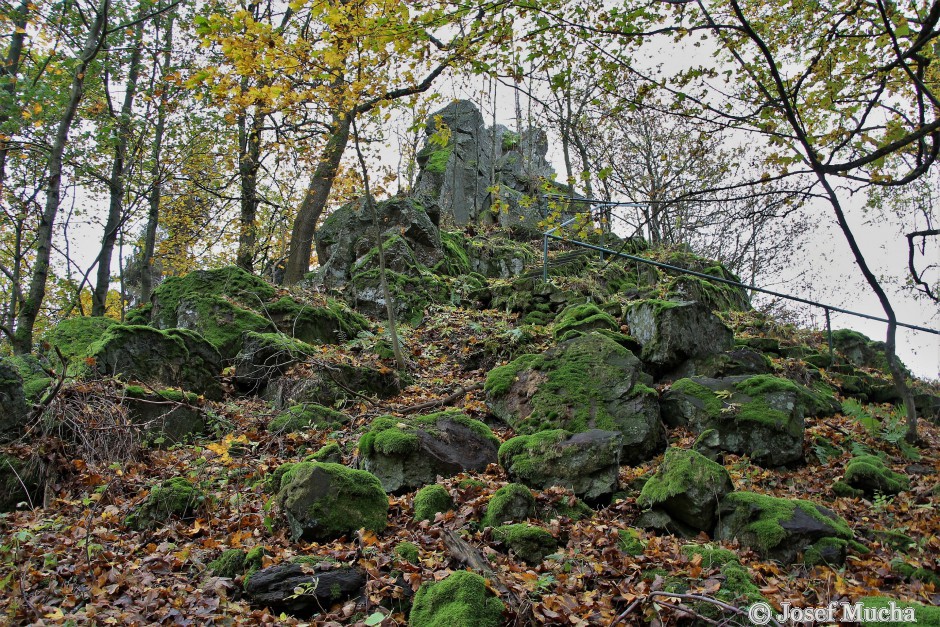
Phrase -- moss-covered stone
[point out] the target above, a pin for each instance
(738, 588)
(74, 336)
(589, 382)
(513, 502)
(175, 497)
(689, 487)
(827, 551)
(231, 282)
(918, 573)
(324, 501)
(530, 543)
(431, 500)
(35, 378)
(584, 317)
(407, 551)
(329, 453)
(412, 294)
(587, 463)
(272, 482)
(461, 599)
(672, 332)
(456, 261)
(230, 563)
(407, 453)
(630, 542)
(869, 474)
(777, 528)
(333, 323)
(306, 416)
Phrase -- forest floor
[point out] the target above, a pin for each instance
(75, 561)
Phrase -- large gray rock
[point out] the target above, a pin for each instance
(586, 463)
(760, 416)
(689, 487)
(409, 453)
(267, 356)
(346, 243)
(323, 501)
(588, 382)
(672, 332)
(160, 359)
(276, 587)
(782, 529)
(329, 383)
(13, 407)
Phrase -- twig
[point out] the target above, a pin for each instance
(447, 400)
(685, 597)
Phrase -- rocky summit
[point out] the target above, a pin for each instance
(545, 451)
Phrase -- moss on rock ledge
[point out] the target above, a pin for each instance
(305, 416)
(460, 599)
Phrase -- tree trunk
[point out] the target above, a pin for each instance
(153, 215)
(894, 365)
(117, 183)
(305, 225)
(26, 320)
(249, 162)
(11, 67)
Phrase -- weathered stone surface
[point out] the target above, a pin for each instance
(409, 453)
(173, 498)
(169, 416)
(267, 356)
(159, 359)
(512, 502)
(13, 407)
(529, 543)
(588, 382)
(586, 463)
(276, 588)
(323, 501)
(331, 383)
(672, 332)
(871, 476)
(760, 416)
(781, 529)
(689, 487)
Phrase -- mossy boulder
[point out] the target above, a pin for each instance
(738, 588)
(430, 501)
(499, 257)
(159, 359)
(582, 318)
(860, 350)
(33, 371)
(870, 475)
(307, 416)
(409, 453)
(782, 529)
(672, 332)
(230, 563)
(169, 415)
(588, 382)
(760, 416)
(329, 453)
(13, 407)
(21, 481)
(336, 381)
(74, 336)
(587, 463)
(529, 543)
(689, 487)
(332, 323)
(461, 598)
(512, 502)
(324, 501)
(412, 293)
(301, 589)
(407, 551)
(176, 497)
(266, 356)
(630, 542)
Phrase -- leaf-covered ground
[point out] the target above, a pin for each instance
(75, 561)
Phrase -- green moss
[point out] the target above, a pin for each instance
(630, 542)
(909, 572)
(254, 560)
(329, 324)
(74, 337)
(230, 564)
(583, 317)
(407, 551)
(530, 544)
(710, 402)
(923, 614)
(499, 380)
(816, 555)
(712, 556)
(471, 484)
(513, 501)
(841, 488)
(767, 529)
(394, 437)
(329, 453)
(521, 453)
(272, 482)
(680, 469)
(456, 261)
(575, 509)
(305, 416)
(172, 395)
(436, 158)
(460, 599)
(231, 281)
(173, 497)
(347, 499)
(139, 315)
(430, 500)
(869, 473)
(510, 140)
(35, 379)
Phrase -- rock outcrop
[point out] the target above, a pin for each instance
(13, 407)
